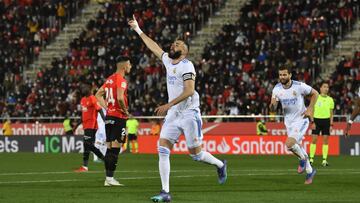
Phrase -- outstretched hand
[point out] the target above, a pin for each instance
(133, 23)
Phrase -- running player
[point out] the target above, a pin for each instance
(116, 105)
(182, 112)
(90, 109)
(291, 95)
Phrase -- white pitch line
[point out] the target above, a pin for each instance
(179, 176)
(175, 171)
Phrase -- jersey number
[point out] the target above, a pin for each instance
(110, 96)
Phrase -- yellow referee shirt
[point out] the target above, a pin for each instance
(323, 106)
(132, 126)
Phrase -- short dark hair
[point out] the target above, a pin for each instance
(121, 59)
(284, 67)
(324, 82)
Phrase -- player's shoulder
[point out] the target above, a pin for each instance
(185, 61)
(187, 65)
(297, 83)
(278, 86)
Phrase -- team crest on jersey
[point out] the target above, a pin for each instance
(174, 70)
(109, 81)
(294, 93)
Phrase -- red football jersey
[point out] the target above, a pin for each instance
(89, 109)
(111, 84)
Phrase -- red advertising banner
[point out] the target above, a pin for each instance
(211, 128)
(249, 128)
(249, 145)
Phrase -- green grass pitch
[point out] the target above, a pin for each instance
(27, 177)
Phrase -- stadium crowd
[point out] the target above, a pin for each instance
(234, 76)
(26, 27)
(269, 34)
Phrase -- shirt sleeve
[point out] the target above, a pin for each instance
(121, 83)
(165, 58)
(274, 94)
(305, 89)
(188, 72)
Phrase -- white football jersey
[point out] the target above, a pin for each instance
(292, 100)
(175, 76)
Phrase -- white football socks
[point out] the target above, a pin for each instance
(208, 158)
(164, 167)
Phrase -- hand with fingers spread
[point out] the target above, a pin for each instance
(161, 110)
(135, 26)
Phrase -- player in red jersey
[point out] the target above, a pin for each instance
(90, 109)
(116, 105)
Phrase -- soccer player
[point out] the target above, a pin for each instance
(132, 127)
(354, 114)
(323, 120)
(116, 105)
(291, 95)
(182, 111)
(89, 109)
(100, 136)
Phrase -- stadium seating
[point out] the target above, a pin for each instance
(240, 66)
(91, 57)
(27, 26)
(235, 76)
(344, 83)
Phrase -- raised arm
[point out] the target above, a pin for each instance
(153, 46)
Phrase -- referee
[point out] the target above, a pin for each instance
(323, 119)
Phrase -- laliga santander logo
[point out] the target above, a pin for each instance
(210, 145)
(223, 147)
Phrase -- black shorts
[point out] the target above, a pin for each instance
(132, 137)
(89, 135)
(322, 126)
(115, 129)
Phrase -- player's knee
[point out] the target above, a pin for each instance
(197, 157)
(289, 144)
(163, 151)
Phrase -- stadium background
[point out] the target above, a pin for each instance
(48, 48)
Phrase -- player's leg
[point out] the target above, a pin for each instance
(313, 148)
(296, 133)
(168, 136)
(191, 125)
(325, 145)
(136, 144)
(115, 135)
(86, 153)
(90, 144)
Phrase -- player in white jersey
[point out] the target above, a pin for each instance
(291, 95)
(182, 111)
(100, 136)
(354, 114)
